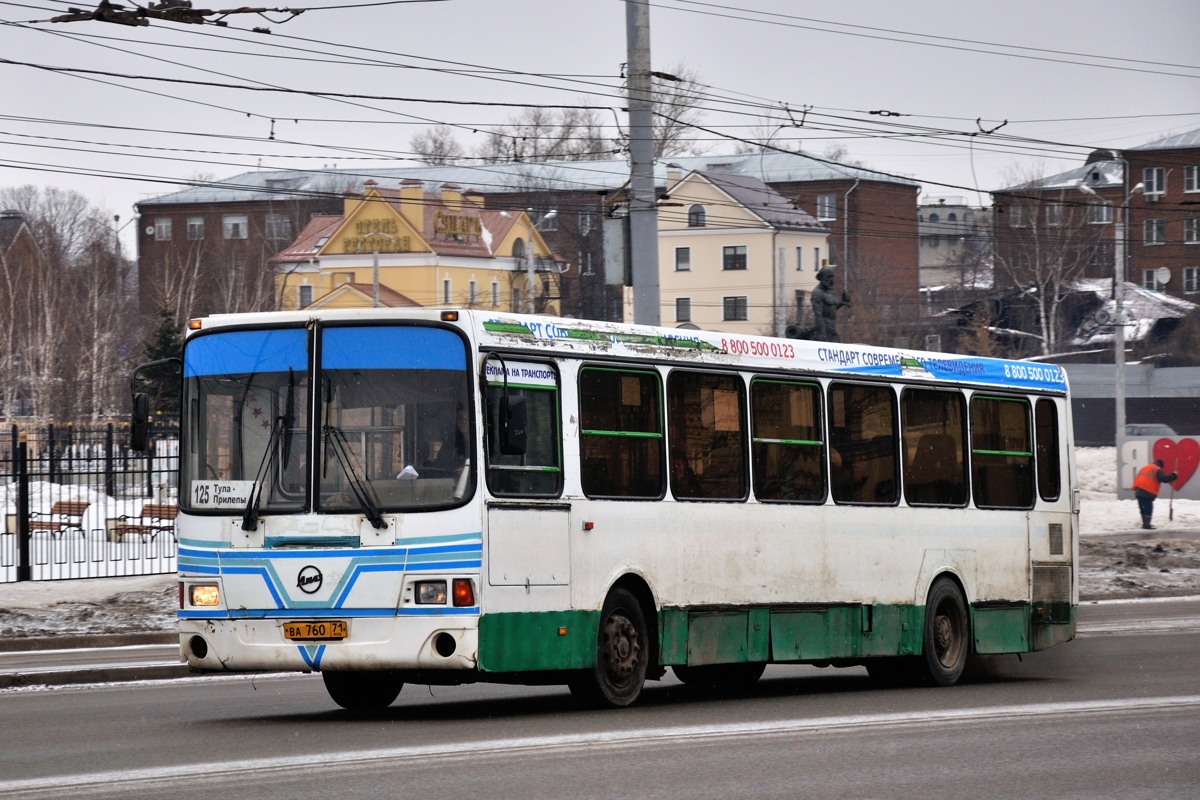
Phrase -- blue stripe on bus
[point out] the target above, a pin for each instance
(392, 347)
(246, 352)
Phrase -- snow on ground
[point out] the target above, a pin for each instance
(1118, 560)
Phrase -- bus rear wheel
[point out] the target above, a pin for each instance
(947, 634)
(622, 655)
(363, 691)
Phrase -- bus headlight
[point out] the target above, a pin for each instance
(431, 593)
(206, 595)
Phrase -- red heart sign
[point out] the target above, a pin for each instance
(1181, 457)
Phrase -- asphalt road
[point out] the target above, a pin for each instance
(1114, 714)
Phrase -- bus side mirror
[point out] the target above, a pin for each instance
(513, 419)
(139, 422)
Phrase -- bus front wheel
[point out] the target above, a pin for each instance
(622, 653)
(363, 691)
(947, 634)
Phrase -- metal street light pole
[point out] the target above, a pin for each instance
(1119, 231)
(375, 263)
(529, 265)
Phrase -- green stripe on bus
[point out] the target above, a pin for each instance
(636, 434)
(808, 442)
(558, 640)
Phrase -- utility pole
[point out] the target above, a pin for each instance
(643, 211)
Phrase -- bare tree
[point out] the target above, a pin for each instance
(547, 134)
(1043, 245)
(437, 146)
(678, 108)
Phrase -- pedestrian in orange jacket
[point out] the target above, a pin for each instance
(1145, 487)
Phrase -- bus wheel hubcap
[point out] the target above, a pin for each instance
(620, 646)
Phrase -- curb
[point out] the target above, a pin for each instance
(31, 644)
(100, 675)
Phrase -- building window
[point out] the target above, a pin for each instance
(1101, 255)
(235, 226)
(817, 259)
(1016, 217)
(306, 295)
(1154, 179)
(279, 227)
(1191, 179)
(1099, 213)
(951, 217)
(1191, 279)
(832, 257)
(587, 218)
(733, 257)
(495, 293)
(734, 308)
(1054, 214)
(471, 289)
(696, 217)
(683, 309)
(799, 258)
(826, 207)
(934, 217)
(1150, 280)
(162, 229)
(1154, 231)
(516, 300)
(195, 229)
(1191, 230)
(445, 291)
(683, 259)
(585, 261)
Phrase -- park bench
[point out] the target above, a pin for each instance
(155, 518)
(63, 515)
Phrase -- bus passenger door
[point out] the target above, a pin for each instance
(528, 544)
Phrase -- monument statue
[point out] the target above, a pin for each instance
(825, 305)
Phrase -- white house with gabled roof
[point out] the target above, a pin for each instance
(734, 254)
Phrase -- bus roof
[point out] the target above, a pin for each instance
(583, 338)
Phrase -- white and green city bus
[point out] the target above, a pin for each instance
(441, 497)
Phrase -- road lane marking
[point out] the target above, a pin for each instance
(222, 770)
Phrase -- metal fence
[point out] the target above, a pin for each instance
(78, 503)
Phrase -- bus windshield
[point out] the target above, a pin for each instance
(392, 428)
(245, 417)
(395, 428)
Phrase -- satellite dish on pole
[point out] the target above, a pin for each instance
(1104, 316)
(1162, 275)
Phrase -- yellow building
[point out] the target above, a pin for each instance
(735, 255)
(410, 247)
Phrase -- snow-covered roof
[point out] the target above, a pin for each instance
(514, 177)
(1097, 175)
(1144, 308)
(760, 199)
(1178, 141)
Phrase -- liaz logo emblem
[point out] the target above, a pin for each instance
(309, 579)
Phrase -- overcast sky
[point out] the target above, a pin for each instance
(1052, 80)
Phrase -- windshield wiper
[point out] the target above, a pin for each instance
(250, 515)
(361, 490)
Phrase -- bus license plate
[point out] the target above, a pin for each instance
(326, 629)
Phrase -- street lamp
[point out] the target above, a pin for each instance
(551, 214)
(1119, 302)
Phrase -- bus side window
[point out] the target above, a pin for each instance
(707, 429)
(537, 472)
(1049, 469)
(863, 444)
(934, 436)
(787, 446)
(1001, 452)
(620, 433)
